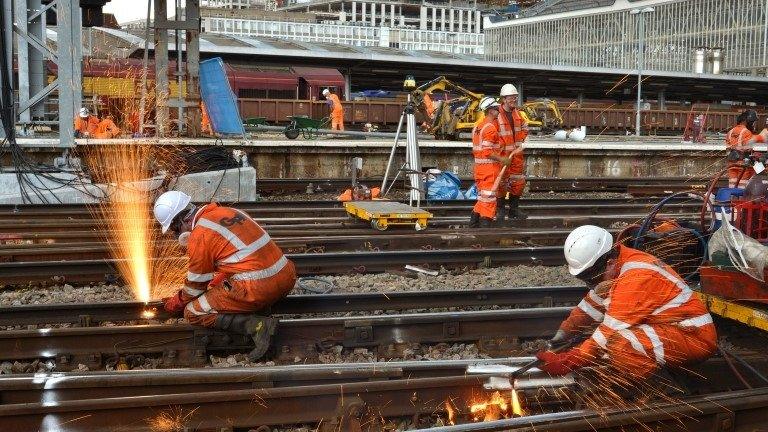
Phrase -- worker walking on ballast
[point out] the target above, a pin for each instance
(486, 151)
(337, 110)
(513, 131)
(643, 313)
(235, 269)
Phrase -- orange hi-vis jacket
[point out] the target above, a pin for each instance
(337, 109)
(226, 240)
(739, 136)
(513, 131)
(485, 143)
(647, 318)
(107, 129)
(89, 125)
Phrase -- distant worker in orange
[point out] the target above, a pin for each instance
(337, 110)
(641, 314)
(107, 129)
(85, 124)
(236, 271)
(486, 150)
(513, 131)
(739, 141)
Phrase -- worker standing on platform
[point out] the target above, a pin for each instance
(739, 141)
(85, 124)
(107, 129)
(513, 131)
(486, 149)
(643, 313)
(235, 269)
(337, 110)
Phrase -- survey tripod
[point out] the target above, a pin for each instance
(412, 166)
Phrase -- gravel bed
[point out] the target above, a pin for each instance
(499, 277)
(403, 195)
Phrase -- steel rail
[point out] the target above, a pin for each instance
(185, 345)
(734, 411)
(313, 209)
(95, 313)
(307, 264)
(62, 386)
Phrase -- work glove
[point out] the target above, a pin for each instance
(558, 364)
(174, 304)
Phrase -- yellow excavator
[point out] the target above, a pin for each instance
(449, 118)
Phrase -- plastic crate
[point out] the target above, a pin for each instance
(751, 217)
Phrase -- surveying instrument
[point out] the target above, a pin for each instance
(382, 214)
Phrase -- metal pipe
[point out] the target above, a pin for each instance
(640, 59)
(145, 64)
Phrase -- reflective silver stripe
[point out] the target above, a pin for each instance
(487, 193)
(191, 308)
(204, 305)
(486, 199)
(607, 302)
(197, 277)
(227, 234)
(262, 274)
(194, 292)
(633, 340)
(698, 321)
(591, 311)
(679, 300)
(485, 161)
(248, 250)
(658, 345)
(595, 298)
(600, 339)
(614, 324)
(489, 144)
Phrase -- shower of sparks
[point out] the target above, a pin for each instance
(125, 217)
(172, 420)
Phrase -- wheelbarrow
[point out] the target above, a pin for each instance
(306, 126)
(255, 122)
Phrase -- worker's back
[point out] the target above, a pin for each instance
(233, 243)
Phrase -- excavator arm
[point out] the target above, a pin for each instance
(452, 116)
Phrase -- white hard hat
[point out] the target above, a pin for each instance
(84, 112)
(508, 90)
(326, 92)
(561, 135)
(584, 246)
(488, 102)
(168, 206)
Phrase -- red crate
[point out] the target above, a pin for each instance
(751, 217)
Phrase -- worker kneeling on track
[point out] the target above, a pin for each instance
(646, 316)
(488, 162)
(235, 269)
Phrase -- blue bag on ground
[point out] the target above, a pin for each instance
(471, 193)
(445, 186)
(220, 101)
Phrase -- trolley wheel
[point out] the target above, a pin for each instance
(291, 132)
(377, 226)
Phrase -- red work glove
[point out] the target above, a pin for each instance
(557, 364)
(174, 304)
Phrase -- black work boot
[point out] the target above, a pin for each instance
(514, 209)
(486, 222)
(259, 328)
(474, 220)
(501, 203)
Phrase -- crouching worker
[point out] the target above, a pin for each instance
(236, 272)
(643, 314)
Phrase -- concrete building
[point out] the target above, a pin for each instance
(454, 27)
(727, 37)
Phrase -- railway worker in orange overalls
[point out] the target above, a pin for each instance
(235, 269)
(107, 129)
(486, 151)
(85, 124)
(643, 313)
(337, 110)
(513, 131)
(739, 141)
